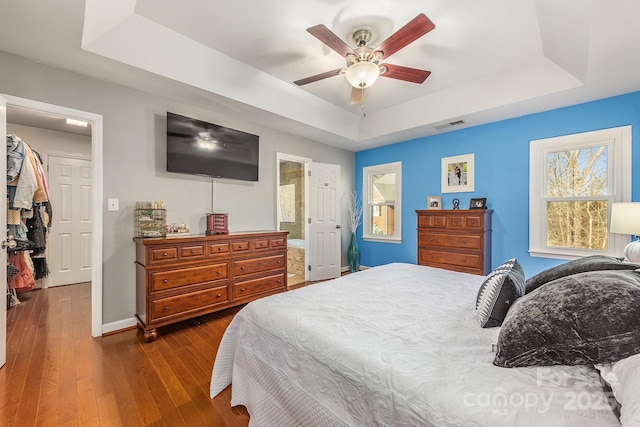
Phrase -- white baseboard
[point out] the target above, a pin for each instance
(119, 325)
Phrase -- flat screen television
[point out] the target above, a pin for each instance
(200, 148)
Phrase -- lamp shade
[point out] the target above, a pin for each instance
(362, 74)
(625, 218)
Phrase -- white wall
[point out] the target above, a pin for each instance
(134, 165)
(45, 140)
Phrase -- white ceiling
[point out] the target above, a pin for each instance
(490, 59)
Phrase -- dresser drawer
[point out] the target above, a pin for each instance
(432, 221)
(193, 252)
(257, 265)
(449, 240)
(219, 248)
(259, 244)
(242, 246)
(428, 257)
(174, 278)
(277, 242)
(163, 254)
(474, 221)
(251, 287)
(179, 304)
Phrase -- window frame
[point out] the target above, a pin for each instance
(367, 173)
(618, 141)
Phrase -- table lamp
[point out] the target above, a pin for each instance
(625, 219)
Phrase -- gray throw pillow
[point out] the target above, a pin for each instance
(585, 318)
(498, 291)
(580, 265)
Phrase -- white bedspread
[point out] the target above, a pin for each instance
(393, 345)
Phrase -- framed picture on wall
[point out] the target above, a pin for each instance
(457, 174)
(434, 202)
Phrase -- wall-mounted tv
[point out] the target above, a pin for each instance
(200, 148)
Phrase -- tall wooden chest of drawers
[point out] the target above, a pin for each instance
(178, 278)
(458, 240)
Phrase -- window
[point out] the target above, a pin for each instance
(382, 207)
(574, 180)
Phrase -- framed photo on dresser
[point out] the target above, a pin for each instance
(434, 202)
(480, 203)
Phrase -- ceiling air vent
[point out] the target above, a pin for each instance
(448, 124)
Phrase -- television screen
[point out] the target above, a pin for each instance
(201, 148)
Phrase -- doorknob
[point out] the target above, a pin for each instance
(338, 226)
(9, 243)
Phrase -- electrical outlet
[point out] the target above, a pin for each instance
(113, 205)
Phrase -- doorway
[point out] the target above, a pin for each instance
(308, 206)
(95, 199)
(292, 212)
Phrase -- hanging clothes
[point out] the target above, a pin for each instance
(29, 214)
(22, 281)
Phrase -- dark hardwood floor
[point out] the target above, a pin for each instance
(58, 375)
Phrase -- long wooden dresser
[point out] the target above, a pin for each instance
(178, 278)
(458, 240)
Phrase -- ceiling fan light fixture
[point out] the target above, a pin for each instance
(362, 74)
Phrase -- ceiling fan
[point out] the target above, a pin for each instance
(363, 62)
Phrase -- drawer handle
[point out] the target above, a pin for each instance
(278, 262)
(219, 249)
(193, 251)
(242, 268)
(165, 254)
(218, 295)
(240, 247)
(278, 281)
(464, 260)
(218, 272)
(262, 244)
(165, 308)
(243, 289)
(431, 239)
(464, 241)
(165, 281)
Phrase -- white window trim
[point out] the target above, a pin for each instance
(367, 172)
(619, 159)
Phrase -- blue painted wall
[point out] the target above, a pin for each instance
(501, 174)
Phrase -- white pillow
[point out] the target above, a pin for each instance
(624, 378)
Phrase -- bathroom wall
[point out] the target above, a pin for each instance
(292, 173)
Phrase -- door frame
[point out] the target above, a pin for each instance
(305, 161)
(96, 122)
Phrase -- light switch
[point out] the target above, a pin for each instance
(113, 204)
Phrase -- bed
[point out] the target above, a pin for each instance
(399, 345)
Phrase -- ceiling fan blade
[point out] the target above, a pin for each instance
(407, 74)
(317, 77)
(413, 30)
(356, 95)
(329, 38)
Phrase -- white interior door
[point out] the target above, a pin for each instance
(324, 225)
(3, 234)
(69, 246)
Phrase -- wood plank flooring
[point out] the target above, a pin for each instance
(58, 375)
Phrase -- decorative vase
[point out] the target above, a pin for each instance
(353, 254)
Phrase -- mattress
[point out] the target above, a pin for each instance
(395, 345)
